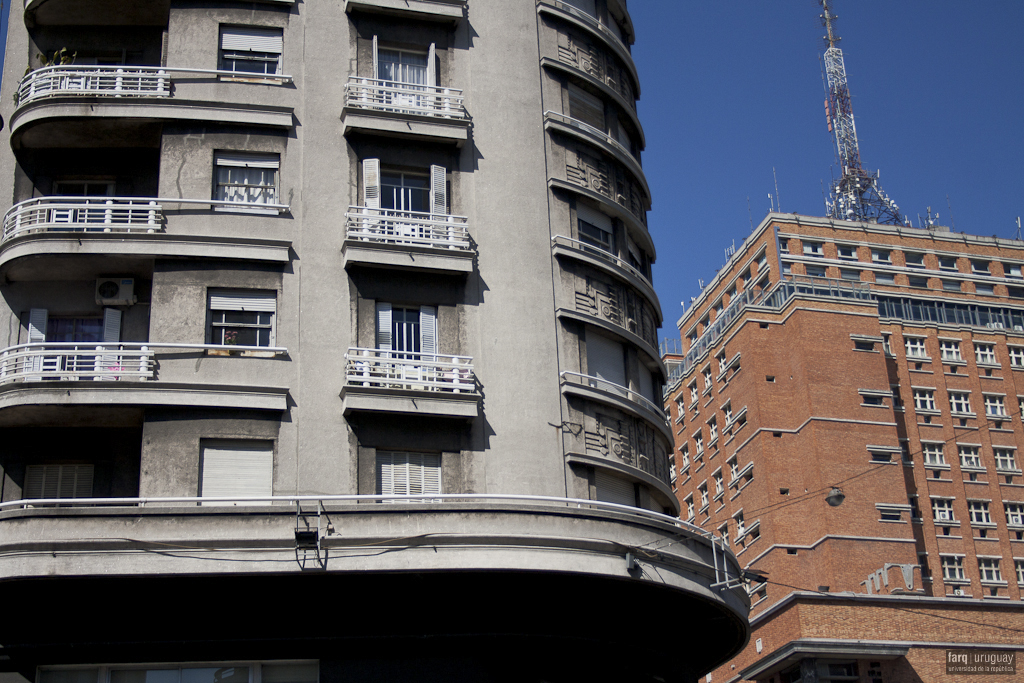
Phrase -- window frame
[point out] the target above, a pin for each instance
(250, 161)
(960, 400)
(258, 301)
(244, 40)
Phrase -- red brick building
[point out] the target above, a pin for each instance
(846, 405)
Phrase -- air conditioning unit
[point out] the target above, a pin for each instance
(115, 291)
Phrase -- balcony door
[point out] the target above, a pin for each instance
(408, 334)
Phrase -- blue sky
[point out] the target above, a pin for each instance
(731, 89)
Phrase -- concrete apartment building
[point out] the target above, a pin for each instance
(847, 414)
(331, 350)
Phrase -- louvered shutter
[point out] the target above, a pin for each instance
(237, 469)
(428, 331)
(384, 326)
(371, 183)
(431, 69)
(37, 318)
(403, 474)
(612, 489)
(263, 302)
(375, 67)
(438, 190)
(646, 384)
(252, 39)
(594, 217)
(247, 160)
(605, 360)
(586, 107)
(111, 325)
(58, 481)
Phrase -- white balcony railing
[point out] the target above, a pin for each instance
(99, 361)
(611, 388)
(600, 254)
(402, 370)
(104, 214)
(600, 135)
(95, 214)
(115, 81)
(404, 98)
(386, 226)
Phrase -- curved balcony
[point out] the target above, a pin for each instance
(96, 13)
(609, 263)
(448, 11)
(597, 389)
(123, 225)
(122, 373)
(536, 548)
(581, 19)
(613, 323)
(413, 383)
(407, 239)
(584, 131)
(404, 110)
(133, 92)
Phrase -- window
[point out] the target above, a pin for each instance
(408, 474)
(989, 569)
(942, 509)
(684, 457)
(918, 282)
(595, 228)
(58, 481)
(719, 486)
(672, 470)
(703, 490)
(932, 453)
(236, 469)
(888, 512)
(953, 568)
(784, 246)
(980, 288)
(947, 263)
(978, 510)
(847, 252)
(1014, 513)
(950, 286)
(250, 50)
(853, 275)
(698, 443)
(950, 349)
(694, 395)
(734, 470)
(707, 378)
(586, 107)
(995, 406)
(815, 271)
(688, 503)
(1018, 566)
(680, 408)
(404, 66)
(914, 259)
(723, 533)
(1005, 461)
(813, 249)
(1013, 270)
(722, 366)
(411, 332)
(959, 402)
(405, 192)
(740, 525)
(979, 267)
(727, 410)
(880, 256)
(915, 347)
(924, 399)
(969, 457)
(885, 278)
(1016, 356)
(712, 430)
(249, 179)
(984, 353)
(242, 318)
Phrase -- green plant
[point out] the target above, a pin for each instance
(60, 58)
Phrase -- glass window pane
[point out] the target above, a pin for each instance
(144, 676)
(68, 675)
(228, 674)
(290, 673)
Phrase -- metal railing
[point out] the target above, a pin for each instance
(105, 214)
(600, 254)
(587, 19)
(404, 98)
(597, 133)
(97, 361)
(611, 388)
(387, 226)
(115, 81)
(404, 370)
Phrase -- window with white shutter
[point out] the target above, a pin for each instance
(58, 481)
(242, 318)
(407, 474)
(612, 489)
(236, 469)
(251, 50)
(247, 179)
(595, 228)
(407, 330)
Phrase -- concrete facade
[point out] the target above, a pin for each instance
(886, 362)
(368, 361)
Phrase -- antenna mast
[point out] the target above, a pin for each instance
(855, 195)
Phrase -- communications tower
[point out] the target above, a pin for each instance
(855, 195)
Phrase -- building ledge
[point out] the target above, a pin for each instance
(156, 393)
(398, 401)
(404, 256)
(613, 463)
(794, 651)
(406, 126)
(580, 385)
(617, 330)
(565, 246)
(449, 11)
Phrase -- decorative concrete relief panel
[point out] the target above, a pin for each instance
(618, 304)
(584, 168)
(629, 439)
(577, 51)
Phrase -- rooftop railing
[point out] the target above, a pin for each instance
(415, 228)
(404, 370)
(611, 388)
(116, 81)
(600, 254)
(404, 98)
(96, 361)
(104, 214)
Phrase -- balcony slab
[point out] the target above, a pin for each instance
(449, 11)
(356, 252)
(406, 126)
(409, 401)
(142, 393)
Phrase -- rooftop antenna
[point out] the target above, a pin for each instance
(750, 215)
(778, 199)
(1018, 227)
(855, 195)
